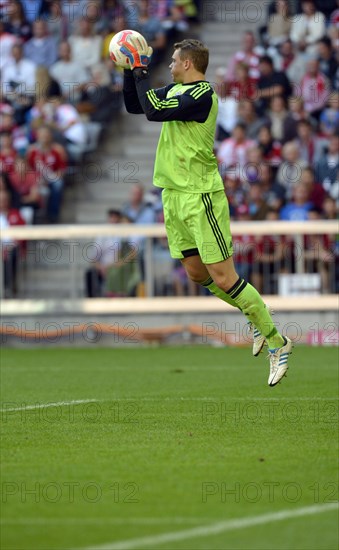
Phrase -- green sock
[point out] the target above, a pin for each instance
(214, 289)
(249, 301)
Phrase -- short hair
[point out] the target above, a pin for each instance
(326, 41)
(194, 50)
(266, 59)
(114, 212)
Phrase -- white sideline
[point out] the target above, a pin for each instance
(214, 529)
(45, 405)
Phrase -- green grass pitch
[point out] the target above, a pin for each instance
(104, 447)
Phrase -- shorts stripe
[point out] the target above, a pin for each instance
(219, 230)
(214, 225)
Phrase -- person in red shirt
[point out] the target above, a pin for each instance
(49, 159)
(7, 153)
(10, 248)
(242, 87)
(28, 184)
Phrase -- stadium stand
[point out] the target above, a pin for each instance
(283, 130)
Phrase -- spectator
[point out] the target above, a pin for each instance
(69, 123)
(299, 207)
(16, 22)
(327, 169)
(124, 276)
(257, 204)
(57, 24)
(271, 83)
(9, 216)
(34, 9)
(296, 112)
(283, 57)
(315, 89)
(277, 115)
(227, 108)
(27, 183)
(7, 153)
(49, 159)
(247, 115)
(310, 147)
(18, 77)
(317, 193)
(329, 117)
(253, 164)
(330, 209)
(242, 87)
(271, 148)
(247, 55)
(235, 189)
(233, 151)
(7, 42)
(290, 169)
(8, 124)
(137, 209)
(327, 62)
(85, 46)
(74, 10)
(71, 77)
(108, 251)
(6, 185)
(104, 91)
(308, 27)
(279, 24)
(273, 193)
(41, 48)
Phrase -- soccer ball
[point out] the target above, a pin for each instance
(136, 39)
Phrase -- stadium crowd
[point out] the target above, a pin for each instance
(59, 89)
(277, 132)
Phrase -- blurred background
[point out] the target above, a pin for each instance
(82, 234)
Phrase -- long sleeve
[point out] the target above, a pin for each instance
(131, 99)
(193, 105)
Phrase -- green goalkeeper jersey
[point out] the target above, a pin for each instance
(185, 160)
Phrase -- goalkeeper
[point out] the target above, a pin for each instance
(195, 205)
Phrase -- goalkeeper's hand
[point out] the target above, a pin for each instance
(136, 58)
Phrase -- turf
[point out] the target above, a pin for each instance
(178, 438)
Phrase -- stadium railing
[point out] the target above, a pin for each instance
(76, 237)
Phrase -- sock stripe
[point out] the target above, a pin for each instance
(236, 286)
(207, 206)
(208, 282)
(217, 225)
(230, 290)
(240, 289)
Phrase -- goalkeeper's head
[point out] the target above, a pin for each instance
(190, 59)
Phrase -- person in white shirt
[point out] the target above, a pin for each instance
(69, 75)
(308, 27)
(68, 122)
(18, 76)
(7, 41)
(86, 47)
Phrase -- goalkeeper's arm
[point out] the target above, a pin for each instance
(131, 99)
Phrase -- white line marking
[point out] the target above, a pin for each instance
(214, 529)
(163, 399)
(45, 405)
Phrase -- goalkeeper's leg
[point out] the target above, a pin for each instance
(223, 281)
